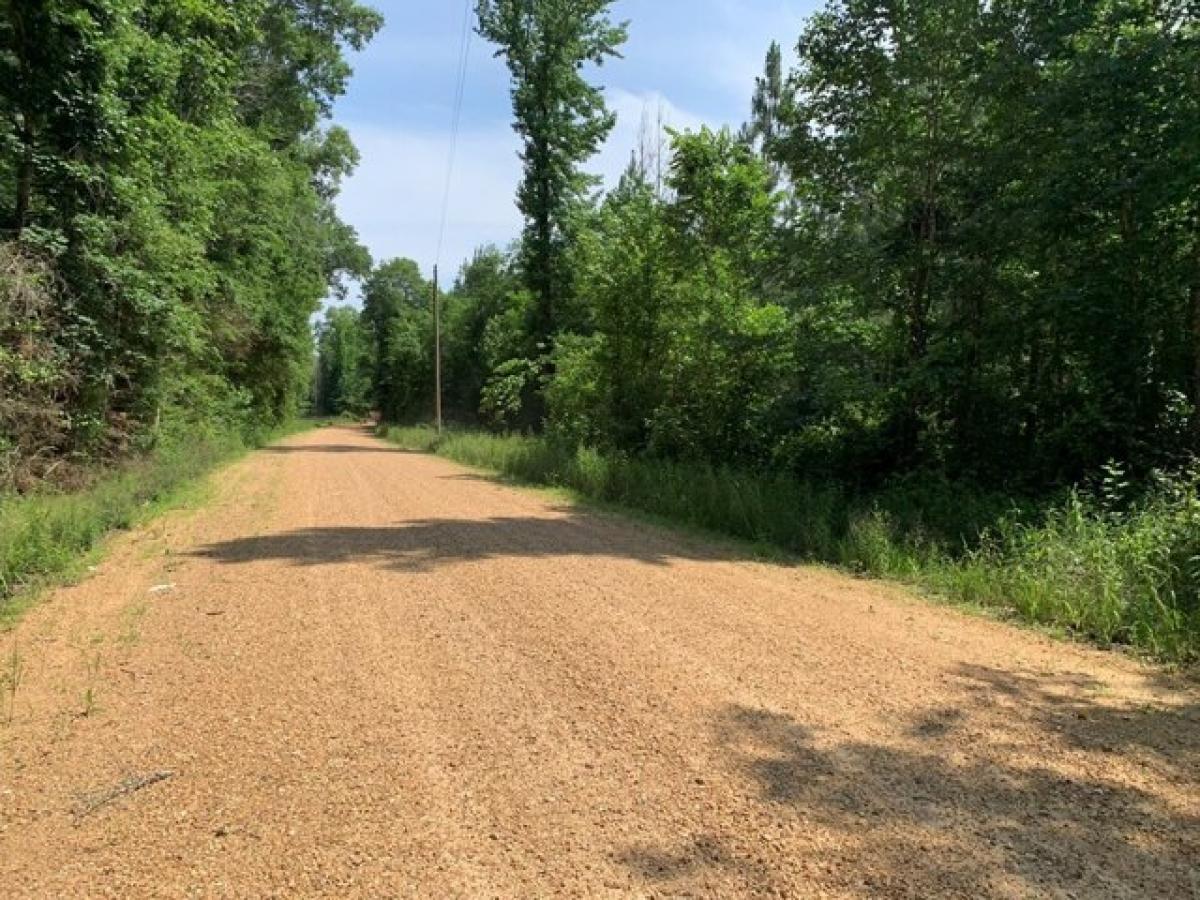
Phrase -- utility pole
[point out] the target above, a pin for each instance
(437, 350)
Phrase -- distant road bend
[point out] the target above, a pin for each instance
(359, 672)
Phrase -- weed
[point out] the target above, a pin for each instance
(10, 681)
(88, 707)
(131, 620)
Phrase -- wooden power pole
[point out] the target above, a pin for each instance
(437, 351)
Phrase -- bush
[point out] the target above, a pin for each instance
(36, 370)
(1117, 576)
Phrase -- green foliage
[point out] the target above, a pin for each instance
(767, 104)
(686, 359)
(993, 190)
(561, 119)
(503, 401)
(483, 327)
(297, 67)
(417, 438)
(623, 267)
(398, 314)
(35, 368)
(576, 393)
(343, 383)
(957, 238)
(1128, 576)
(165, 175)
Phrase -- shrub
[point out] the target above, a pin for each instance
(1127, 576)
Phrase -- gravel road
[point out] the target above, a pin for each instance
(357, 672)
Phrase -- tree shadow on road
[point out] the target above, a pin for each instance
(422, 546)
(695, 856)
(292, 449)
(1022, 785)
(1077, 711)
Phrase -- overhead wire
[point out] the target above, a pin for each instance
(460, 90)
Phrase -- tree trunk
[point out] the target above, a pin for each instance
(20, 48)
(1195, 316)
(918, 333)
(24, 178)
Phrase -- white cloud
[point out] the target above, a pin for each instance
(394, 199)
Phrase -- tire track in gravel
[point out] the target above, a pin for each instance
(381, 675)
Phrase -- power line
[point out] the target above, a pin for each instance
(455, 122)
(460, 90)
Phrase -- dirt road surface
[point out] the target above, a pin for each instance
(358, 672)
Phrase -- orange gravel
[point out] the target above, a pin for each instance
(358, 672)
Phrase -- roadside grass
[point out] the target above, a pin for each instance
(47, 538)
(1117, 574)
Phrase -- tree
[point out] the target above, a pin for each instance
(344, 364)
(729, 352)
(297, 67)
(57, 61)
(958, 238)
(184, 216)
(398, 315)
(625, 270)
(1099, 210)
(764, 128)
(878, 129)
(561, 118)
(482, 295)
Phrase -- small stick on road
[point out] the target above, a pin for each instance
(88, 804)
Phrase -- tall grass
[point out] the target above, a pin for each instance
(44, 536)
(1117, 575)
(1113, 575)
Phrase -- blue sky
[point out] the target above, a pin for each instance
(694, 59)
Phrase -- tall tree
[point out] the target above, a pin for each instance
(344, 363)
(562, 119)
(481, 295)
(59, 112)
(766, 106)
(397, 314)
(298, 67)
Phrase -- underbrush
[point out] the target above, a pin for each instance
(1119, 574)
(44, 535)
(1112, 572)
